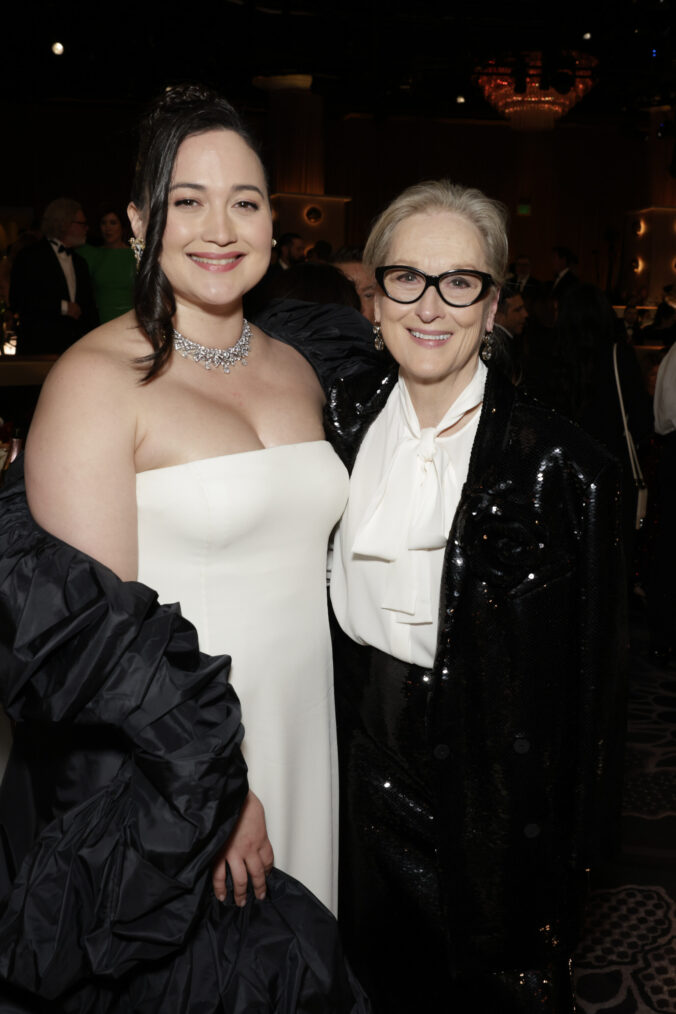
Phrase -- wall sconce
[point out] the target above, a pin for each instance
(313, 215)
(637, 265)
(639, 227)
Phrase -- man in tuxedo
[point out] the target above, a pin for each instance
(50, 287)
(510, 319)
(291, 250)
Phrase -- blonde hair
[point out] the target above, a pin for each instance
(489, 217)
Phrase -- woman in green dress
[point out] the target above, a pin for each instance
(111, 267)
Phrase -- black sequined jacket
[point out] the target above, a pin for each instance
(525, 716)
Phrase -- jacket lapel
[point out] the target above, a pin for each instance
(353, 405)
(490, 445)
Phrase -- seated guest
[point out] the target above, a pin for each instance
(50, 287)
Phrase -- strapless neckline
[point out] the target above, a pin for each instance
(235, 454)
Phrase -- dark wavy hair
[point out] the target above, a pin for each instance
(179, 113)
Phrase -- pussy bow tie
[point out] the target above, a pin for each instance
(411, 508)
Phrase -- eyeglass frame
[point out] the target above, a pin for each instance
(433, 280)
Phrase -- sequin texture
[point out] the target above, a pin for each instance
(463, 877)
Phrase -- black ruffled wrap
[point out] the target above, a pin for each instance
(124, 782)
(336, 340)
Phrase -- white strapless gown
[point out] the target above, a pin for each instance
(240, 542)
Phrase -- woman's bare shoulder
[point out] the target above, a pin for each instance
(80, 474)
(105, 355)
(288, 365)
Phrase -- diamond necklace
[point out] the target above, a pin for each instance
(226, 358)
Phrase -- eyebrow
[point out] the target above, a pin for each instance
(458, 267)
(199, 186)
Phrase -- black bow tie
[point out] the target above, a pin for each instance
(60, 248)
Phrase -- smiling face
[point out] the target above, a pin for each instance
(436, 345)
(218, 236)
(111, 229)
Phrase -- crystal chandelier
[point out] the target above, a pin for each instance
(521, 89)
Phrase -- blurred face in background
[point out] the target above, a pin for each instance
(522, 267)
(111, 229)
(365, 284)
(76, 233)
(514, 315)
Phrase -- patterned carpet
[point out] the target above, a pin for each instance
(626, 963)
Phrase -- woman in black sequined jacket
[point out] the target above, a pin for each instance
(477, 791)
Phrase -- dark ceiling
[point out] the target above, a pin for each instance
(386, 58)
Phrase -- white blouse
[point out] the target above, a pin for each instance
(389, 548)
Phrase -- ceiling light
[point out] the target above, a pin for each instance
(516, 89)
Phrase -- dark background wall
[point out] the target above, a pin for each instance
(579, 180)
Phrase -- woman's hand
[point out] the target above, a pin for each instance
(247, 852)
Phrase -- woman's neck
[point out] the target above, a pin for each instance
(432, 399)
(217, 329)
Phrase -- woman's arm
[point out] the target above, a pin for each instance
(80, 474)
(84, 652)
(81, 486)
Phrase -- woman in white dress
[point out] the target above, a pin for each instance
(206, 476)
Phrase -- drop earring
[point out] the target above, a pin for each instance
(138, 246)
(487, 346)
